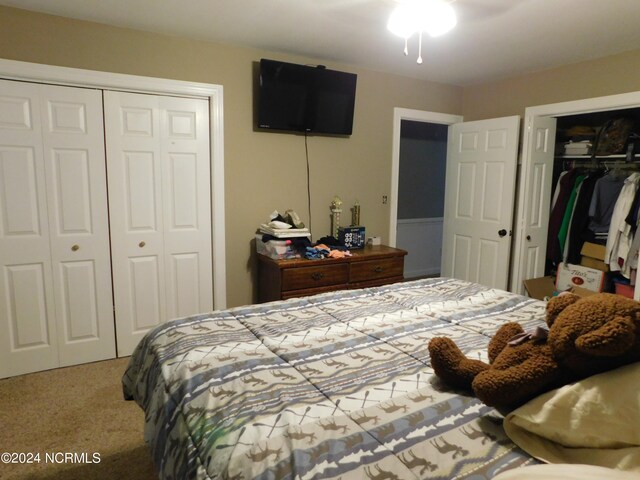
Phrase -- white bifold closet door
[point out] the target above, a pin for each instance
(160, 210)
(55, 285)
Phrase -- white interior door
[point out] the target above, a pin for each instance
(159, 206)
(28, 336)
(479, 200)
(531, 237)
(74, 158)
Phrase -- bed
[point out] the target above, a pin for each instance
(333, 386)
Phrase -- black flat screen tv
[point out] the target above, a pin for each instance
(300, 98)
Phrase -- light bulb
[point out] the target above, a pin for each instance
(438, 17)
(435, 17)
(403, 21)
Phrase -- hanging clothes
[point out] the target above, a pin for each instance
(568, 214)
(578, 229)
(564, 188)
(556, 191)
(631, 264)
(620, 237)
(603, 201)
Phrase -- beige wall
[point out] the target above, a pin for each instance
(263, 171)
(605, 76)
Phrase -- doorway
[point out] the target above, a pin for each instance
(417, 189)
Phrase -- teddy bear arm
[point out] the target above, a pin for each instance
(451, 365)
(505, 333)
(514, 385)
(612, 339)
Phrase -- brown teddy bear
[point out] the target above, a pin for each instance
(586, 336)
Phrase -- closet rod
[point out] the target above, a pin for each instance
(598, 164)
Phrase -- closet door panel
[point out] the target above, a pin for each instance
(144, 284)
(185, 281)
(21, 205)
(537, 191)
(27, 313)
(73, 140)
(132, 126)
(187, 205)
(80, 314)
(28, 337)
(159, 199)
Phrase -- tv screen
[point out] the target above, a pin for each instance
(301, 98)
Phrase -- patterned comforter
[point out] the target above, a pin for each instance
(334, 386)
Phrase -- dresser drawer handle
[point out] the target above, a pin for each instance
(378, 269)
(317, 276)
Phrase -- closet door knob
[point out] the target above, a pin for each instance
(75, 248)
(502, 232)
(142, 244)
(529, 238)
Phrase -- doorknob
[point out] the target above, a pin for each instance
(75, 248)
(502, 232)
(141, 244)
(529, 238)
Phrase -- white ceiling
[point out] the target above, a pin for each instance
(493, 39)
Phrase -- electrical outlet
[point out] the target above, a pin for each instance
(385, 199)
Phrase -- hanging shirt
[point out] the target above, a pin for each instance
(632, 257)
(632, 218)
(566, 220)
(565, 186)
(620, 237)
(578, 231)
(603, 201)
(556, 191)
(631, 264)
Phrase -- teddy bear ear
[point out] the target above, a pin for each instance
(558, 304)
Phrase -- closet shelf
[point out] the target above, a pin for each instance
(589, 157)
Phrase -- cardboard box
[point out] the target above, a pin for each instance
(593, 256)
(582, 292)
(543, 288)
(570, 275)
(540, 288)
(625, 290)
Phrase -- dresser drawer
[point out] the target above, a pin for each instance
(316, 276)
(373, 269)
(297, 277)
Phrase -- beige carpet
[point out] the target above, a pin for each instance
(73, 410)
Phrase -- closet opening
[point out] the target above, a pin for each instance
(579, 194)
(595, 198)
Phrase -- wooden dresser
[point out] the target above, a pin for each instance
(368, 267)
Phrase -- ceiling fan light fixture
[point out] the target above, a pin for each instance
(402, 21)
(440, 18)
(435, 17)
